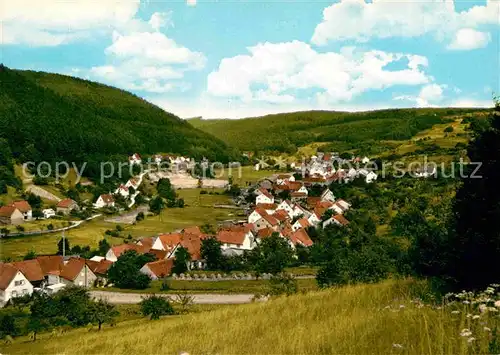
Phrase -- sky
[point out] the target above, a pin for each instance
(234, 59)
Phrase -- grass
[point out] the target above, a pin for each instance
(362, 319)
(225, 286)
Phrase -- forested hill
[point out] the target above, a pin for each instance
(50, 116)
(287, 131)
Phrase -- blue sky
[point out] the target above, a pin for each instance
(232, 59)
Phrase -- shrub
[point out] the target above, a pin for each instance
(448, 129)
(155, 306)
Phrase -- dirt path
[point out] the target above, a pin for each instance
(128, 298)
(42, 193)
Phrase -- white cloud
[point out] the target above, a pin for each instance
(148, 62)
(55, 22)
(191, 2)
(273, 72)
(429, 96)
(359, 20)
(468, 38)
(467, 102)
(161, 19)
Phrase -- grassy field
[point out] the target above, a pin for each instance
(199, 210)
(244, 174)
(365, 319)
(226, 286)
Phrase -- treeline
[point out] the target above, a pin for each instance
(288, 131)
(57, 118)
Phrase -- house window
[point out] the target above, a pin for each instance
(19, 283)
(14, 294)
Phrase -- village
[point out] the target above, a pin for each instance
(279, 205)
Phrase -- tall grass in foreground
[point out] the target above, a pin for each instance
(384, 318)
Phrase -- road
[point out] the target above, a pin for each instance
(198, 298)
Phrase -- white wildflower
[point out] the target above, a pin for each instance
(469, 315)
(490, 290)
(471, 339)
(466, 302)
(486, 329)
(475, 316)
(482, 308)
(399, 346)
(401, 306)
(465, 333)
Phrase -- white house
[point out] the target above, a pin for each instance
(300, 223)
(13, 283)
(132, 183)
(122, 190)
(157, 159)
(337, 220)
(341, 206)
(327, 195)
(256, 167)
(135, 159)
(48, 213)
(370, 177)
(105, 201)
(158, 269)
(256, 215)
(365, 160)
(284, 178)
(314, 219)
(236, 239)
(287, 207)
(264, 197)
(303, 189)
(298, 210)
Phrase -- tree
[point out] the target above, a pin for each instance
(474, 235)
(155, 306)
(36, 325)
(272, 255)
(212, 253)
(182, 258)
(156, 205)
(61, 246)
(124, 273)
(283, 284)
(30, 255)
(8, 326)
(103, 247)
(180, 203)
(165, 189)
(34, 201)
(139, 217)
(102, 312)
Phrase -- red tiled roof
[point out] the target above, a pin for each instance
(170, 240)
(193, 245)
(231, 237)
(31, 269)
(7, 211)
(159, 254)
(161, 268)
(261, 211)
(72, 268)
(265, 232)
(147, 243)
(281, 215)
(298, 194)
(266, 193)
(267, 206)
(22, 206)
(341, 219)
(300, 236)
(192, 230)
(7, 274)
(52, 264)
(304, 223)
(284, 176)
(312, 201)
(271, 220)
(294, 185)
(99, 267)
(120, 249)
(65, 203)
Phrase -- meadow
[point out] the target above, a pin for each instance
(391, 317)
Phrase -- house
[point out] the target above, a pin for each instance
(314, 219)
(266, 221)
(286, 206)
(135, 159)
(114, 252)
(25, 208)
(282, 179)
(300, 223)
(158, 269)
(105, 201)
(66, 206)
(298, 211)
(77, 272)
(10, 215)
(327, 195)
(337, 219)
(370, 177)
(122, 190)
(13, 283)
(281, 216)
(157, 159)
(48, 213)
(264, 197)
(32, 271)
(298, 196)
(238, 238)
(257, 214)
(268, 207)
(132, 182)
(167, 242)
(341, 206)
(426, 171)
(99, 268)
(51, 268)
(300, 237)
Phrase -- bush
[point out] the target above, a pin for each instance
(203, 192)
(155, 306)
(283, 284)
(448, 129)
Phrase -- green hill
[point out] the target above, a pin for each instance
(382, 318)
(365, 131)
(55, 117)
